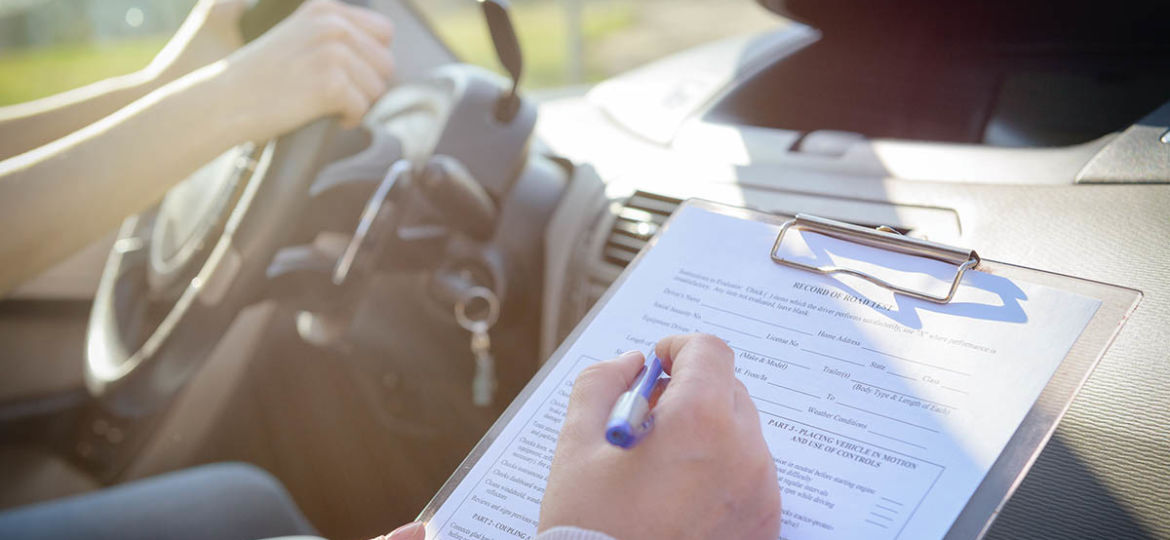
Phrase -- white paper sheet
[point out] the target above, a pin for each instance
(883, 413)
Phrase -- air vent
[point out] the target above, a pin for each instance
(623, 233)
(635, 223)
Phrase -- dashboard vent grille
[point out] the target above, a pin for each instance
(622, 231)
(635, 223)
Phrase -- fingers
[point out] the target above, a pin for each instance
(597, 389)
(358, 50)
(353, 105)
(364, 77)
(375, 24)
(374, 54)
(700, 366)
(702, 369)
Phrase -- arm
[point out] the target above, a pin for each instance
(53, 198)
(209, 33)
(28, 125)
(327, 58)
(705, 472)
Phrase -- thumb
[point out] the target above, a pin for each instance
(597, 388)
(410, 531)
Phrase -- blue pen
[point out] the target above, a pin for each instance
(631, 420)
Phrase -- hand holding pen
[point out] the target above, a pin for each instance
(704, 471)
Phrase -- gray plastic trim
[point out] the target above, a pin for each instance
(1140, 155)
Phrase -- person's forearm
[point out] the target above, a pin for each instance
(26, 126)
(209, 33)
(61, 196)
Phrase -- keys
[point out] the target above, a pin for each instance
(483, 385)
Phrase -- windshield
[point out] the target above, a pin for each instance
(571, 42)
(50, 46)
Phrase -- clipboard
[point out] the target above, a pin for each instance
(1029, 438)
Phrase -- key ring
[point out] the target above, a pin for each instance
(493, 305)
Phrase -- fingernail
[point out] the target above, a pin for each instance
(627, 355)
(405, 531)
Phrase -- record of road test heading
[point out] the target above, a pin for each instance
(904, 387)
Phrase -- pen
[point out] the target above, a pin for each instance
(631, 420)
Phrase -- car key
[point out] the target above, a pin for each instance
(483, 385)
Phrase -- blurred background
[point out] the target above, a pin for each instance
(47, 46)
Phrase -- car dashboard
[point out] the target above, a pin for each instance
(1095, 209)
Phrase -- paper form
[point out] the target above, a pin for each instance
(882, 413)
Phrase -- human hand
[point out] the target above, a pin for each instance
(704, 472)
(209, 33)
(326, 58)
(410, 531)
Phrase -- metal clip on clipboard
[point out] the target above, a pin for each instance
(882, 238)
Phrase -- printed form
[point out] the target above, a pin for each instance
(883, 413)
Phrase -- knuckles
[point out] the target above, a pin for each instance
(336, 53)
(334, 83)
(380, 88)
(331, 58)
(320, 6)
(708, 348)
(330, 27)
(708, 342)
(387, 68)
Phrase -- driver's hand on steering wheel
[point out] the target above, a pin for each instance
(87, 145)
(326, 58)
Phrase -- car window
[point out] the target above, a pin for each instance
(48, 46)
(568, 42)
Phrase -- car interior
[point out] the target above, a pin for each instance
(308, 305)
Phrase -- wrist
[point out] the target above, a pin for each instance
(211, 106)
(236, 107)
(164, 68)
(227, 104)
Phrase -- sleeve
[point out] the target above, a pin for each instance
(572, 533)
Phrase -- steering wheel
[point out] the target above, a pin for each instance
(178, 274)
